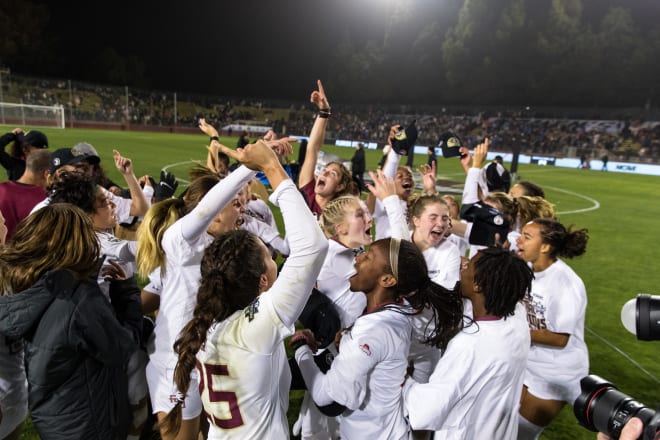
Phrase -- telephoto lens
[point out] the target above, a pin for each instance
(601, 407)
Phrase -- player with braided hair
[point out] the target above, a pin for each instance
(556, 309)
(243, 312)
(475, 388)
(172, 237)
(373, 353)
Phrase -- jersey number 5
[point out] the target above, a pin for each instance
(207, 371)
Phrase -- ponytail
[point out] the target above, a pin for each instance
(565, 242)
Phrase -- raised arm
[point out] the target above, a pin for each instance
(316, 137)
(139, 203)
(307, 243)
(384, 190)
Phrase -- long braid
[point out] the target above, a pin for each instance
(230, 272)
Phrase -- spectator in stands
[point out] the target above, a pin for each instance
(58, 309)
(358, 166)
(18, 198)
(23, 145)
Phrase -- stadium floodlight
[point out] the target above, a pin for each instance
(22, 115)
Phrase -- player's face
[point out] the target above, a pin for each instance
(432, 225)
(357, 226)
(530, 243)
(404, 183)
(271, 267)
(328, 182)
(369, 267)
(467, 275)
(104, 216)
(228, 219)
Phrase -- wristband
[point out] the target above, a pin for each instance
(299, 343)
(215, 138)
(324, 115)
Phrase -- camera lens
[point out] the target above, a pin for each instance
(602, 408)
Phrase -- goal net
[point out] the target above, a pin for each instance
(21, 115)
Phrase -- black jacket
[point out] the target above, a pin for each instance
(76, 348)
(15, 167)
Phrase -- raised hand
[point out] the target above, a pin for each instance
(207, 128)
(257, 156)
(123, 164)
(319, 98)
(383, 186)
(281, 147)
(428, 176)
(480, 153)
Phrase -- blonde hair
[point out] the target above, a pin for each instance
(334, 213)
(160, 217)
(530, 207)
(58, 236)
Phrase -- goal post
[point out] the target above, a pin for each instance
(21, 115)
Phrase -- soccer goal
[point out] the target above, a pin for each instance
(21, 115)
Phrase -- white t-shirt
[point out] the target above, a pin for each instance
(268, 234)
(558, 303)
(244, 374)
(366, 375)
(475, 388)
(333, 283)
(118, 250)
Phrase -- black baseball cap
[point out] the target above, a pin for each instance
(67, 156)
(35, 138)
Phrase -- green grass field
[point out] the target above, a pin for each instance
(621, 211)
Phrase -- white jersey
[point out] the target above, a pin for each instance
(118, 250)
(244, 376)
(184, 243)
(475, 388)
(260, 210)
(333, 283)
(558, 303)
(444, 263)
(268, 234)
(366, 375)
(381, 219)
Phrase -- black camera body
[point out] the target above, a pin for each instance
(601, 407)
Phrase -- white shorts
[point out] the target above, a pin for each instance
(162, 391)
(12, 416)
(561, 387)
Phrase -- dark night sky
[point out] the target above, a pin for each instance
(266, 48)
(250, 48)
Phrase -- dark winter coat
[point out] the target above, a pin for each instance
(76, 348)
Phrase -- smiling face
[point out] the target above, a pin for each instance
(405, 185)
(369, 267)
(104, 216)
(431, 226)
(227, 219)
(355, 230)
(329, 181)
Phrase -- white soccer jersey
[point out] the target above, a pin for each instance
(268, 234)
(558, 303)
(444, 263)
(333, 283)
(118, 250)
(475, 388)
(184, 243)
(366, 376)
(244, 376)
